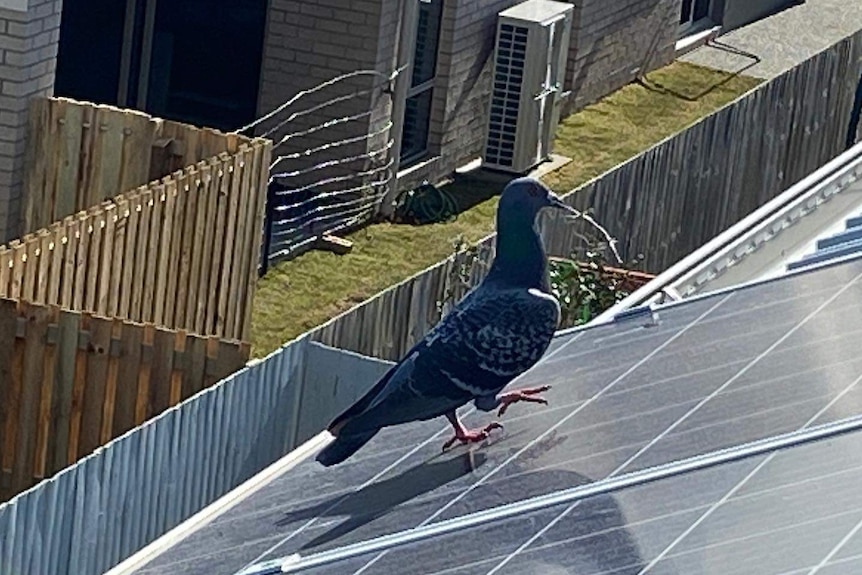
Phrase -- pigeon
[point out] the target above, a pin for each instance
(499, 330)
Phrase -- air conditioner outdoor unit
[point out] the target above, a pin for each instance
(529, 68)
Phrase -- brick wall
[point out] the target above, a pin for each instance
(28, 44)
(613, 43)
(308, 42)
(311, 41)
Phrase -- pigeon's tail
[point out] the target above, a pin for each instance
(343, 447)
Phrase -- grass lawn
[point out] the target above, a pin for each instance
(298, 295)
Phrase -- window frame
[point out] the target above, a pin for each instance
(406, 161)
(691, 26)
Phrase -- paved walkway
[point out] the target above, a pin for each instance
(785, 39)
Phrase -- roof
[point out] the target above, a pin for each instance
(772, 239)
(542, 11)
(742, 380)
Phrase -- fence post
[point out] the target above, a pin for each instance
(855, 114)
(267, 228)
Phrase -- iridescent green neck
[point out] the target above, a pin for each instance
(520, 258)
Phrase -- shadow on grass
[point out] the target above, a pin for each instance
(658, 87)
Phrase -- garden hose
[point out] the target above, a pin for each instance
(426, 204)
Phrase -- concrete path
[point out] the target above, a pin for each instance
(783, 40)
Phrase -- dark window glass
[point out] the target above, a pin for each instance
(427, 41)
(204, 67)
(701, 9)
(206, 61)
(417, 114)
(685, 14)
(91, 44)
(694, 10)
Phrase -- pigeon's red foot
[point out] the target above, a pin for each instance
(517, 395)
(471, 435)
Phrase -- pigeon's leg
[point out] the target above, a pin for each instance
(465, 435)
(510, 397)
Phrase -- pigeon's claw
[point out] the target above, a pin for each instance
(515, 396)
(472, 435)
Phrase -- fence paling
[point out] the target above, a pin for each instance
(158, 253)
(80, 154)
(71, 382)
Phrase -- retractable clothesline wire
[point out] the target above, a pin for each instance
(297, 563)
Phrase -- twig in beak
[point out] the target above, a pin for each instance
(575, 214)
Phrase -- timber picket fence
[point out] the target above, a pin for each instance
(80, 154)
(70, 382)
(181, 252)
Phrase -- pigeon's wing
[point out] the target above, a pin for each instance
(487, 340)
(394, 399)
(492, 338)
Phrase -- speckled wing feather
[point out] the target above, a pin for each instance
(490, 338)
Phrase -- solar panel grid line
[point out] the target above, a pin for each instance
(831, 563)
(834, 551)
(658, 518)
(563, 420)
(730, 315)
(592, 427)
(785, 441)
(340, 500)
(748, 537)
(742, 483)
(778, 280)
(382, 473)
(570, 540)
(679, 421)
(702, 354)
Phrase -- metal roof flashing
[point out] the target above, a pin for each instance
(813, 221)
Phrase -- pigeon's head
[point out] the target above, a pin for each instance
(525, 197)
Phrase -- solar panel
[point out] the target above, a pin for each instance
(758, 515)
(711, 373)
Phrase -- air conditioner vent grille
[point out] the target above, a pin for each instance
(505, 101)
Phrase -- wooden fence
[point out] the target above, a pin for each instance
(675, 197)
(71, 382)
(181, 252)
(80, 154)
(662, 204)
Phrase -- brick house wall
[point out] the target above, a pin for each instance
(308, 42)
(613, 43)
(28, 45)
(311, 41)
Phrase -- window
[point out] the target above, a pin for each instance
(693, 11)
(196, 61)
(417, 110)
(206, 59)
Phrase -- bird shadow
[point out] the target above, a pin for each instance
(377, 499)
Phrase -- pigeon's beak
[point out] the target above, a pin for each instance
(556, 202)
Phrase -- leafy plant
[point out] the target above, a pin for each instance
(466, 256)
(586, 288)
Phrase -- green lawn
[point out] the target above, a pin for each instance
(301, 294)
